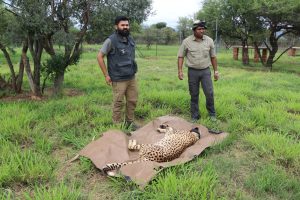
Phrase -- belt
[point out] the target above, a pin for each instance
(191, 68)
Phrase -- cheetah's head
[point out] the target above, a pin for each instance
(196, 131)
(163, 126)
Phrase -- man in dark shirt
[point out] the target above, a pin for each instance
(120, 71)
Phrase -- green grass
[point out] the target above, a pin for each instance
(278, 147)
(23, 166)
(58, 191)
(179, 182)
(259, 160)
(268, 181)
(184, 182)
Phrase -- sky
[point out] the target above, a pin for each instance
(169, 11)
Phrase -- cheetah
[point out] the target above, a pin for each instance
(165, 150)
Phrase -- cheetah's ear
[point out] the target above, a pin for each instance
(196, 130)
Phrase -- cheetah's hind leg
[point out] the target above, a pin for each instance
(132, 145)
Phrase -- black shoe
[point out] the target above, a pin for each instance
(213, 118)
(195, 119)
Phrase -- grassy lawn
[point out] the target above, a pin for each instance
(259, 160)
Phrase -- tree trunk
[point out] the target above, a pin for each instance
(259, 54)
(270, 59)
(19, 81)
(3, 83)
(11, 67)
(274, 49)
(245, 54)
(58, 83)
(37, 78)
(29, 74)
(36, 49)
(23, 62)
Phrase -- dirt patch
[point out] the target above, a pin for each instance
(17, 190)
(72, 92)
(64, 157)
(98, 187)
(295, 112)
(94, 183)
(28, 96)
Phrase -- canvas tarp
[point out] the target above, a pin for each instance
(112, 147)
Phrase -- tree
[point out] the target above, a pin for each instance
(279, 18)
(9, 35)
(148, 35)
(161, 25)
(46, 20)
(80, 14)
(3, 27)
(68, 13)
(184, 27)
(235, 19)
(40, 20)
(151, 34)
(104, 13)
(254, 21)
(168, 35)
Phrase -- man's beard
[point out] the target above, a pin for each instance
(124, 32)
(198, 35)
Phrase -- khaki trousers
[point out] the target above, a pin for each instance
(127, 89)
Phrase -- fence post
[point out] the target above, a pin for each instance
(235, 53)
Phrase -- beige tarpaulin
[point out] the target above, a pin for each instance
(112, 147)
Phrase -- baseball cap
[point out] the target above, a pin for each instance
(199, 23)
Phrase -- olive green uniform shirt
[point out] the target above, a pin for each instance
(198, 53)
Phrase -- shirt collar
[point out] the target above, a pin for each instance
(194, 38)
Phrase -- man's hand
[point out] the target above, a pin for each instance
(216, 75)
(179, 64)
(180, 75)
(108, 80)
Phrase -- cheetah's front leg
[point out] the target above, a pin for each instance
(161, 130)
(132, 145)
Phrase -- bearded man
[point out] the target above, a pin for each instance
(120, 71)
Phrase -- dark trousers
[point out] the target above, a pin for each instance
(197, 77)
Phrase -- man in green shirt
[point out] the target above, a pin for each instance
(199, 51)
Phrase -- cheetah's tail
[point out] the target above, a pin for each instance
(114, 166)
